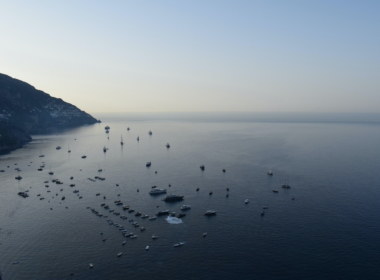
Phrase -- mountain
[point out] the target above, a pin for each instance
(25, 110)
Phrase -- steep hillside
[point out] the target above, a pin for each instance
(25, 110)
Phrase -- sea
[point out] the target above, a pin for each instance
(325, 226)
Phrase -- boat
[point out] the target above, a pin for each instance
(104, 149)
(150, 132)
(91, 265)
(128, 128)
(154, 236)
(173, 197)
(265, 207)
(68, 147)
(210, 212)
(168, 145)
(121, 141)
(275, 191)
(147, 248)
(58, 148)
(107, 127)
(157, 191)
(204, 234)
(152, 218)
(51, 173)
(39, 169)
(84, 156)
(148, 164)
(23, 194)
(162, 212)
(224, 170)
(119, 254)
(262, 213)
(185, 207)
(138, 138)
(286, 185)
(202, 167)
(123, 242)
(180, 215)
(246, 201)
(269, 172)
(18, 177)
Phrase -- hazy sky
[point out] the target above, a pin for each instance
(206, 55)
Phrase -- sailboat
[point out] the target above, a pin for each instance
(69, 151)
(286, 185)
(121, 142)
(104, 149)
(41, 155)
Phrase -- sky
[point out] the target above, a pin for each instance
(197, 55)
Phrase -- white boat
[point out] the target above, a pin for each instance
(154, 236)
(147, 248)
(119, 254)
(185, 207)
(210, 212)
(91, 265)
(179, 244)
(246, 201)
(157, 191)
(204, 234)
(269, 172)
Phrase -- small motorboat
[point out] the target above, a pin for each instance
(147, 248)
(269, 172)
(150, 132)
(210, 212)
(262, 213)
(123, 242)
(58, 148)
(168, 145)
(91, 265)
(246, 201)
(148, 164)
(185, 207)
(275, 191)
(119, 254)
(204, 234)
(138, 138)
(84, 156)
(128, 128)
(154, 236)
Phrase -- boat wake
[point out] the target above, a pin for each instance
(173, 220)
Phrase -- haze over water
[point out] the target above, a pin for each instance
(329, 231)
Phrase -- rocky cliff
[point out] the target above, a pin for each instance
(25, 110)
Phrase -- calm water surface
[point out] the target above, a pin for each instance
(331, 230)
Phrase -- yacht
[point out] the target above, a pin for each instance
(157, 191)
(185, 207)
(51, 173)
(154, 236)
(269, 172)
(162, 212)
(148, 164)
(119, 254)
(147, 248)
(173, 197)
(58, 148)
(210, 212)
(18, 177)
(275, 191)
(246, 201)
(23, 194)
(84, 156)
(152, 218)
(91, 265)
